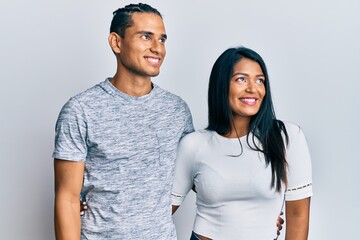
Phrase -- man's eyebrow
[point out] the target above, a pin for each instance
(150, 33)
(145, 32)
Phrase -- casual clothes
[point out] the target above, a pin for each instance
(129, 146)
(234, 196)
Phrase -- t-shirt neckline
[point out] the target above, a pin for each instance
(111, 89)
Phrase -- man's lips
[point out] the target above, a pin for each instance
(153, 60)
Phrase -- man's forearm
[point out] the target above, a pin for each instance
(67, 219)
(68, 183)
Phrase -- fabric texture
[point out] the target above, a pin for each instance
(129, 146)
(234, 196)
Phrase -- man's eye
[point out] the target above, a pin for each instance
(145, 37)
(162, 40)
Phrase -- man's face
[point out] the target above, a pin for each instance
(142, 50)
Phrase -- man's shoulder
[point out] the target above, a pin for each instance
(169, 96)
(89, 93)
(84, 98)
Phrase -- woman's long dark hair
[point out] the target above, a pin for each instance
(264, 126)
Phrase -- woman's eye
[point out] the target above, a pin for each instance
(241, 79)
(260, 80)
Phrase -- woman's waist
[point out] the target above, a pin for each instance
(236, 223)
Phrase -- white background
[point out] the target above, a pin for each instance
(51, 49)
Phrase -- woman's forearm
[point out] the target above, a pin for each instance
(297, 219)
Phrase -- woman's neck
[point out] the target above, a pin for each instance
(239, 128)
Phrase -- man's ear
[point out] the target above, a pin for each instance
(114, 42)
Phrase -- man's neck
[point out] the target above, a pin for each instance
(132, 86)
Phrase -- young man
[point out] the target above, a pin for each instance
(116, 142)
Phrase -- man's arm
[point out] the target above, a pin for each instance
(68, 183)
(297, 219)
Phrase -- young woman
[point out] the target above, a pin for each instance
(247, 164)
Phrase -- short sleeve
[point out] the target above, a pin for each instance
(189, 127)
(70, 133)
(183, 180)
(299, 165)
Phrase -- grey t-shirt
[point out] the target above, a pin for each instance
(129, 147)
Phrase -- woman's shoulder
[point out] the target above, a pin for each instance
(198, 135)
(295, 134)
(292, 128)
(193, 142)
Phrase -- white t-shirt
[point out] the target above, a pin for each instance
(234, 195)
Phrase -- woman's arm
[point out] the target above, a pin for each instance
(68, 183)
(184, 169)
(297, 219)
(174, 208)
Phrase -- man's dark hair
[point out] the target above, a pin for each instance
(264, 126)
(122, 17)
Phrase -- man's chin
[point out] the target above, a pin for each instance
(149, 73)
(155, 74)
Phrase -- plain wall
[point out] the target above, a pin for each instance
(51, 50)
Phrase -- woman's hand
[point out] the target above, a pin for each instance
(83, 207)
(279, 223)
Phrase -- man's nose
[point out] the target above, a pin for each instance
(157, 47)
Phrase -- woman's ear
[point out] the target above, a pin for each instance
(114, 42)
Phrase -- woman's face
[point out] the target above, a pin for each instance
(247, 89)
